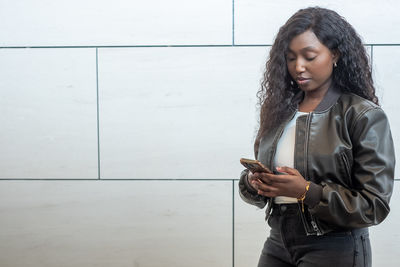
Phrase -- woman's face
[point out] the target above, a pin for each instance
(310, 63)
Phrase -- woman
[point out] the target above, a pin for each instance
(327, 140)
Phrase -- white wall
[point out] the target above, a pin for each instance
(123, 122)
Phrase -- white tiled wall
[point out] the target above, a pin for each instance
(116, 223)
(251, 231)
(119, 150)
(258, 21)
(385, 62)
(48, 113)
(384, 237)
(115, 22)
(177, 112)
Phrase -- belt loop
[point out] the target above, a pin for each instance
(360, 232)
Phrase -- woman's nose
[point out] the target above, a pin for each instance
(300, 66)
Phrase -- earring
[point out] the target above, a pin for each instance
(291, 83)
(335, 64)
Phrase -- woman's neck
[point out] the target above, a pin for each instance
(312, 98)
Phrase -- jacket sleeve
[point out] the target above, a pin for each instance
(367, 202)
(248, 193)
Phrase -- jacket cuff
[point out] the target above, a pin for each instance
(247, 184)
(248, 193)
(314, 195)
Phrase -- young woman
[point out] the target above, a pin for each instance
(327, 140)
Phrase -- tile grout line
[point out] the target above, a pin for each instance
(233, 223)
(129, 179)
(233, 22)
(372, 58)
(160, 46)
(98, 113)
(233, 181)
(124, 179)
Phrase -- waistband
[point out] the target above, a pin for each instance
(285, 209)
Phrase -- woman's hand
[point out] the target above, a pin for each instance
(290, 184)
(253, 178)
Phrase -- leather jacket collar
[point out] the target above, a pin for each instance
(327, 102)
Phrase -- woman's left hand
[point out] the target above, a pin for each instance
(290, 183)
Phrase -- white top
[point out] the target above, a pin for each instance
(285, 152)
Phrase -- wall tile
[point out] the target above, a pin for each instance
(258, 21)
(115, 223)
(251, 231)
(118, 22)
(384, 237)
(385, 63)
(177, 112)
(48, 113)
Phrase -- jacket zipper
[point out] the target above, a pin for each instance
(315, 226)
(307, 137)
(308, 123)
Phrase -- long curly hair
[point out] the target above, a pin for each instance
(352, 74)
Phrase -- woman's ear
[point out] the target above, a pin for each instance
(335, 56)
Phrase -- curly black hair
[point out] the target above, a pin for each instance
(352, 74)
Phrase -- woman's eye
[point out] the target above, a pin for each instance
(310, 58)
(290, 59)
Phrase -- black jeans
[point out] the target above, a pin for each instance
(288, 245)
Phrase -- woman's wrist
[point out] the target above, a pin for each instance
(314, 195)
(301, 198)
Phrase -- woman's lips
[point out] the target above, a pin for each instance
(301, 81)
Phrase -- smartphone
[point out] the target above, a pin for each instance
(254, 165)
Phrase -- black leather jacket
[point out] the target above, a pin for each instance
(345, 148)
